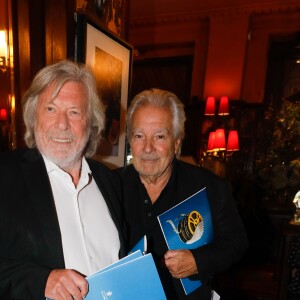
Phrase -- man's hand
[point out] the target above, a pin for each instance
(66, 285)
(181, 263)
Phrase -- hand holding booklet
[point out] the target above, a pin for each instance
(132, 277)
(188, 225)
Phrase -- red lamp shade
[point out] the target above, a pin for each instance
(224, 106)
(233, 141)
(3, 114)
(220, 143)
(211, 141)
(210, 107)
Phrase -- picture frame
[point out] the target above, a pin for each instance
(110, 59)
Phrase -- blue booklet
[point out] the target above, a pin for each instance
(130, 278)
(129, 257)
(188, 225)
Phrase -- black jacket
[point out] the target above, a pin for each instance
(30, 240)
(230, 241)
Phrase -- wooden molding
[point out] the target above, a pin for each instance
(253, 8)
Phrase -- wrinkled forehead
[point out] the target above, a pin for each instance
(152, 119)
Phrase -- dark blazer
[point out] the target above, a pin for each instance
(30, 240)
(230, 240)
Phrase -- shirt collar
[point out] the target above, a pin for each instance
(51, 166)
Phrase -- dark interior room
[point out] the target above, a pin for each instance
(245, 52)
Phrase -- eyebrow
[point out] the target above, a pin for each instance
(156, 131)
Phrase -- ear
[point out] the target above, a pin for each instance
(177, 145)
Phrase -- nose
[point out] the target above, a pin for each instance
(148, 145)
(63, 121)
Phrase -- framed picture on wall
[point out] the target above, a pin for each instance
(111, 61)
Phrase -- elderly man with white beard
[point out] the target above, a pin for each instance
(60, 211)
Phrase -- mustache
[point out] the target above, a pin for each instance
(61, 135)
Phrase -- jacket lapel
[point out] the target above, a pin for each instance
(38, 185)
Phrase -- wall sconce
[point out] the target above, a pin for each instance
(3, 50)
(224, 106)
(211, 142)
(3, 114)
(216, 145)
(219, 141)
(233, 141)
(210, 108)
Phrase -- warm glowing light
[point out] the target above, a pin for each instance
(211, 141)
(233, 141)
(3, 114)
(3, 49)
(224, 106)
(219, 143)
(210, 107)
(12, 103)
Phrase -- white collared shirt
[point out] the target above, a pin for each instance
(89, 236)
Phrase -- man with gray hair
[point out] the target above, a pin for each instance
(60, 211)
(156, 181)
